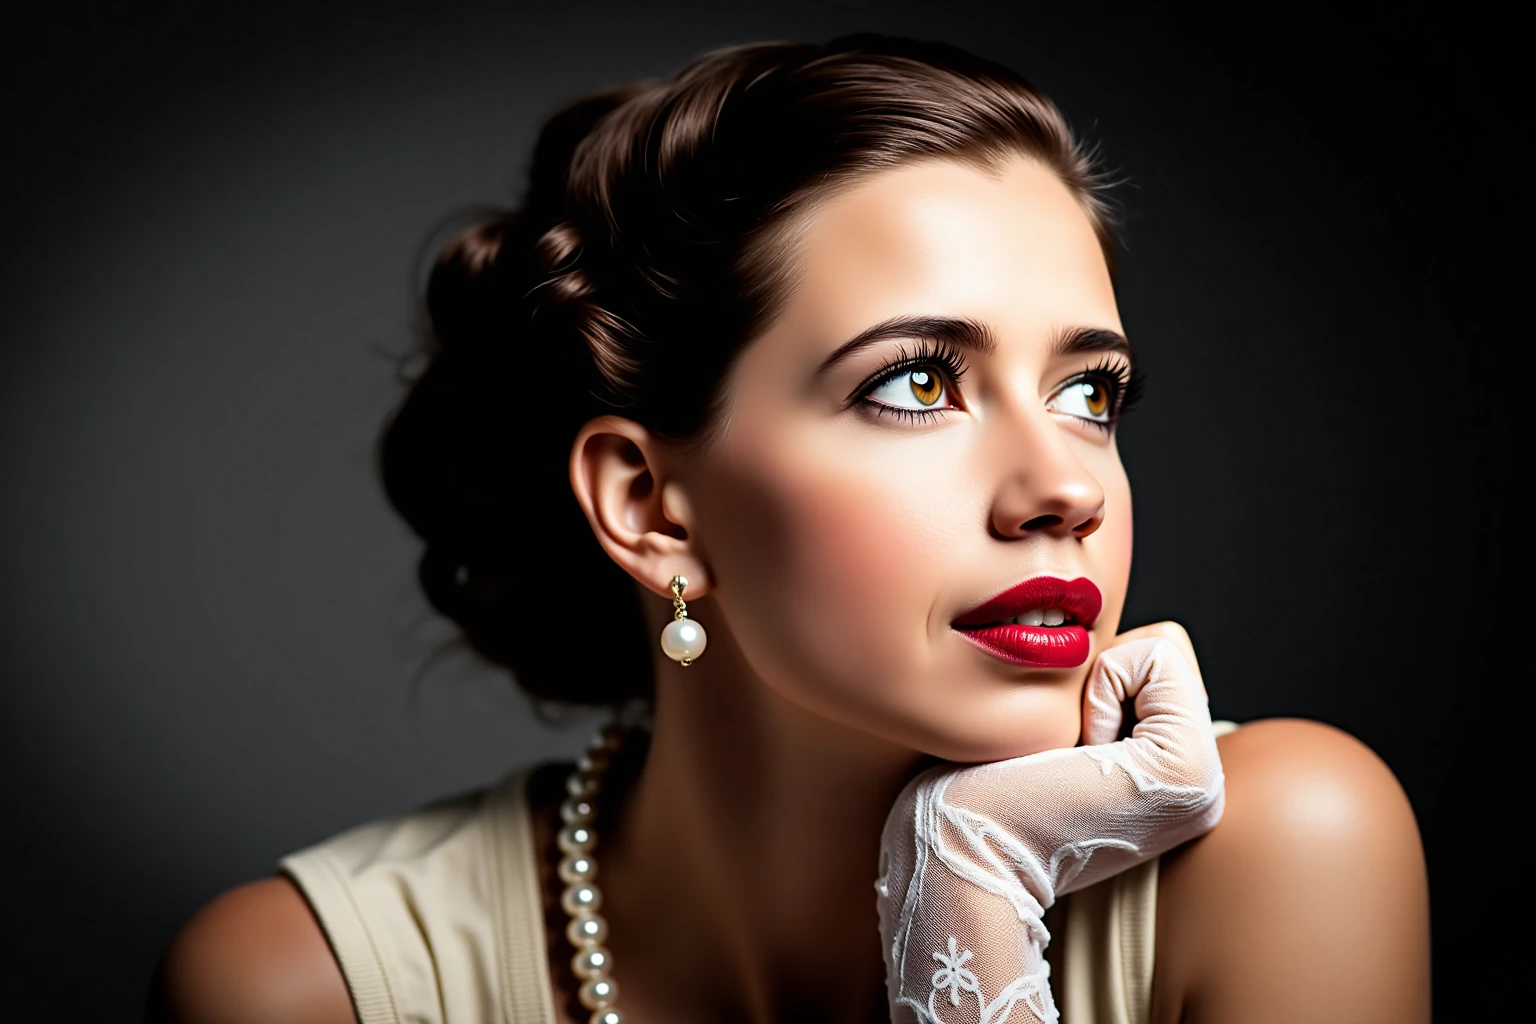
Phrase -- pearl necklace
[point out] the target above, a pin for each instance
(581, 899)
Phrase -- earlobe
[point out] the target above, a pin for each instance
(637, 513)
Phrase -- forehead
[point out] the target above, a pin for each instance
(938, 236)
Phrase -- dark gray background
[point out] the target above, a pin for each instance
(211, 626)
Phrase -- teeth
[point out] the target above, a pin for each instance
(1041, 617)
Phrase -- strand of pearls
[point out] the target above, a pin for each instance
(582, 899)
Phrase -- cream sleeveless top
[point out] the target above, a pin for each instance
(436, 917)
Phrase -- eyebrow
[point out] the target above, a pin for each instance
(964, 332)
(1091, 339)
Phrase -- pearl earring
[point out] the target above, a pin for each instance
(683, 640)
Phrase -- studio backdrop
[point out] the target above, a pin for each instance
(214, 647)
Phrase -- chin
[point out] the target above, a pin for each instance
(1025, 721)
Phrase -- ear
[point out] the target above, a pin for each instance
(640, 516)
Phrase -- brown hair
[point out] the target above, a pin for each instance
(654, 240)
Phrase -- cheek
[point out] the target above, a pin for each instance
(1110, 550)
(828, 562)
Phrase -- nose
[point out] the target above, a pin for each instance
(1047, 490)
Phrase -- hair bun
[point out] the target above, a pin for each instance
(487, 280)
(562, 134)
(655, 237)
(467, 303)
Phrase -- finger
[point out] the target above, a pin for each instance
(1173, 631)
(1168, 630)
(1153, 671)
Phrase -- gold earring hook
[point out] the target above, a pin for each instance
(679, 606)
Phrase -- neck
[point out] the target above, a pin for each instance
(739, 881)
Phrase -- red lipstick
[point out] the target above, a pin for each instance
(1064, 645)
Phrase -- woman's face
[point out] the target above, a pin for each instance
(850, 514)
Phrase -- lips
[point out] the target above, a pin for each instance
(1039, 646)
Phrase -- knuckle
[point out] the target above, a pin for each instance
(1166, 630)
(1170, 630)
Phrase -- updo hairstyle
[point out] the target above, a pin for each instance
(655, 238)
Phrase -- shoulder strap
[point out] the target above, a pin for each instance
(430, 914)
(346, 930)
(1102, 965)
(518, 905)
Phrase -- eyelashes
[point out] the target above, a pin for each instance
(937, 354)
(1103, 392)
(1127, 380)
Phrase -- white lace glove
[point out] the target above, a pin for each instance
(972, 856)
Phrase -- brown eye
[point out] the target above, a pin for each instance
(1086, 399)
(1095, 398)
(923, 383)
(926, 387)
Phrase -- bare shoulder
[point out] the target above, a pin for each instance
(253, 955)
(1308, 900)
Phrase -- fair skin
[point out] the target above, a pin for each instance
(828, 548)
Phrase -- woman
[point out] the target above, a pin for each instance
(823, 342)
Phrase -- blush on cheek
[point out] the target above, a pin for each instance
(825, 573)
(1111, 552)
(860, 548)
(855, 578)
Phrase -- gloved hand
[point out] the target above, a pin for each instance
(971, 856)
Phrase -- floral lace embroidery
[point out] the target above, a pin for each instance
(953, 975)
(1032, 990)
